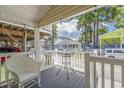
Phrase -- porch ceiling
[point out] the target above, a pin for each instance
(43, 14)
(59, 12)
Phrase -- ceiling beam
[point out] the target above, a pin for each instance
(20, 33)
(15, 33)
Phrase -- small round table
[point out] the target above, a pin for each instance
(66, 63)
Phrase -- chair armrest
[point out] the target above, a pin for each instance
(37, 66)
(34, 67)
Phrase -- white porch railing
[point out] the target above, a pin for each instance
(76, 60)
(110, 72)
(47, 59)
(93, 67)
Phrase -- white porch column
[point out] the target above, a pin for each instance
(37, 45)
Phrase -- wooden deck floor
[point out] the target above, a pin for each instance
(49, 79)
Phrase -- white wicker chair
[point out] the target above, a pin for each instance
(25, 69)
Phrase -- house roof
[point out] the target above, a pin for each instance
(65, 40)
(114, 34)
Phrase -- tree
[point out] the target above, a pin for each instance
(102, 31)
(54, 35)
(119, 18)
(89, 23)
(85, 26)
(115, 14)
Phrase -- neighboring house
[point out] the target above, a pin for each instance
(67, 43)
(114, 39)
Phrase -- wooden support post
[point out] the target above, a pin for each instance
(87, 70)
(122, 75)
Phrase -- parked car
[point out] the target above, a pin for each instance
(7, 50)
(115, 53)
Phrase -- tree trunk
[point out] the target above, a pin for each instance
(97, 33)
(53, 43)
(90, 34)
(94, 34)
(85, 35)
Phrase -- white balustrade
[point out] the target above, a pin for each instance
(110, 73)
(92, 67)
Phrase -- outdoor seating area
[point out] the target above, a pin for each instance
(66, 65)
(51, 74)
(89, 71)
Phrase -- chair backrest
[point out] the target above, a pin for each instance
(19, 64)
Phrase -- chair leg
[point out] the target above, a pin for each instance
(59, 70)
(19, 86)
(72, 70)
(39, 81)
(67, 74)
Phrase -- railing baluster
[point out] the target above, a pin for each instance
(82, 61)
(75, 60)
(95, 82)
(72, 61)
(45, 57)
(0, 69)
(122, 75)
(78, 60)
(48, 58)
(103, 77)
(112, 75)
(6, 73)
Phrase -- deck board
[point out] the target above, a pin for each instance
(49, 79)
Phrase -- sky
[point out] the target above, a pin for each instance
(111, 27)
(68, 29)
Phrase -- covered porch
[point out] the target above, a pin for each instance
(90, 71)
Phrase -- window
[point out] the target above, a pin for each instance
(109, 51)
(73, 45)
(118, 51)
(76, 45)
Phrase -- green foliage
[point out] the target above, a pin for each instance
(89, 23)
(54, 35)
(102, 30)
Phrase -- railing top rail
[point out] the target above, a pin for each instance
(107, 60)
